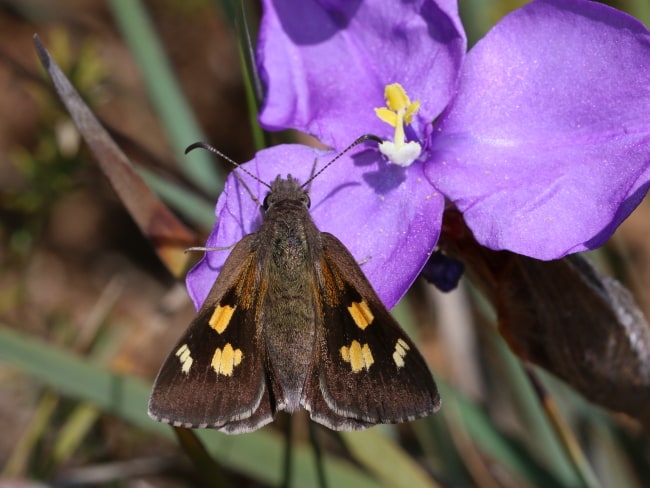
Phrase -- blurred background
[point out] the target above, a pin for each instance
(88, 312)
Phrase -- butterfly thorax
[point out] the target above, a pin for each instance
(289, 244)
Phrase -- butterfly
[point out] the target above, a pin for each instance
(292, 322)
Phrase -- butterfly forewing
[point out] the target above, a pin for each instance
(215, 375)
(369, 371)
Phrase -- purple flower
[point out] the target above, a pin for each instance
(385, 216)
(539, 134)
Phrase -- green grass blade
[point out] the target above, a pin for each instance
(165, 93)
(388, 462)
(259, 454)
(18, 463)
(75, 429)
(193, 207)
(482, 431)
(541, 432)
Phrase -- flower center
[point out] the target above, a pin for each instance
(399, 112)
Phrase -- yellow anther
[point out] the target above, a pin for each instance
(398, 113)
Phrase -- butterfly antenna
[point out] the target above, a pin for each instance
(366, 137)
(205, 145)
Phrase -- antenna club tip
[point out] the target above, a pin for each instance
(193, 146)
(370, 137)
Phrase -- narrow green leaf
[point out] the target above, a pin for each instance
(17, 465)
(192, 206)
(258, 454)
(165, 93)
(388, 462)
(546, 443)
(482, 431)
(75, 429)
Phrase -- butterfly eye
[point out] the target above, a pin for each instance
(307, 201)
(265, 203)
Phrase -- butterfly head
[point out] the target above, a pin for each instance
(286, 190)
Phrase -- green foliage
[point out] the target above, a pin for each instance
(506, 435)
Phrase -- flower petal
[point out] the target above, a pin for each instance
(388, 217)
(325, 65)
(547, 147)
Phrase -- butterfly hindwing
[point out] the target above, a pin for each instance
(215, 375)
(369, 371)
